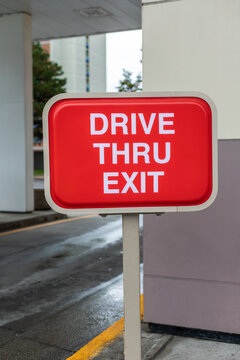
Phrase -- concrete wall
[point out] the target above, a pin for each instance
(191, 260)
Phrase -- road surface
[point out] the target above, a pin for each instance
(60, 286)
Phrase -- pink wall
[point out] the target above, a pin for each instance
(192, 260)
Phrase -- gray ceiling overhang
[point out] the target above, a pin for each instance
(65, 18)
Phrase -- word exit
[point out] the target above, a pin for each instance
(110, 179)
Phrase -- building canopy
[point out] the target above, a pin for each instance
(65, 18)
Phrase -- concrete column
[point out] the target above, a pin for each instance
(16, 155)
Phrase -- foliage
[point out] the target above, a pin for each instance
(128, 84)
(38, 172)
(47, 82)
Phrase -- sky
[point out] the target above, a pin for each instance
(123, 52)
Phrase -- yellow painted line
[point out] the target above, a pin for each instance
(141, 304)
(100, 342)
(47, 224)
(94, 347)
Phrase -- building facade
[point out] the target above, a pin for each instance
(83, 60)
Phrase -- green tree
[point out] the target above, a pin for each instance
(128, 84)
(47, 82)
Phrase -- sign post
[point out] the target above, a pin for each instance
(131, 282)
(130, 154)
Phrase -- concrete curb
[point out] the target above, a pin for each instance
(152, 345)
(158, 345)
(12, 221)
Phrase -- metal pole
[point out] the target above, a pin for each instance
(131, 279)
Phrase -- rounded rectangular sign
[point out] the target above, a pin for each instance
(130, 153)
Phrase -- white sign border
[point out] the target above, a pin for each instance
(129, 210)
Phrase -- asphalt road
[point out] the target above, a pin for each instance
(60, 286)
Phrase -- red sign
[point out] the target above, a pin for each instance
(117, 153)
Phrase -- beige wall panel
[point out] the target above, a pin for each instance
(193, 45)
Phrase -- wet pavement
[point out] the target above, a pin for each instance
(63, 332)
(60, 286)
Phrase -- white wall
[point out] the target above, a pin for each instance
(16, 156)
(193, 45)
